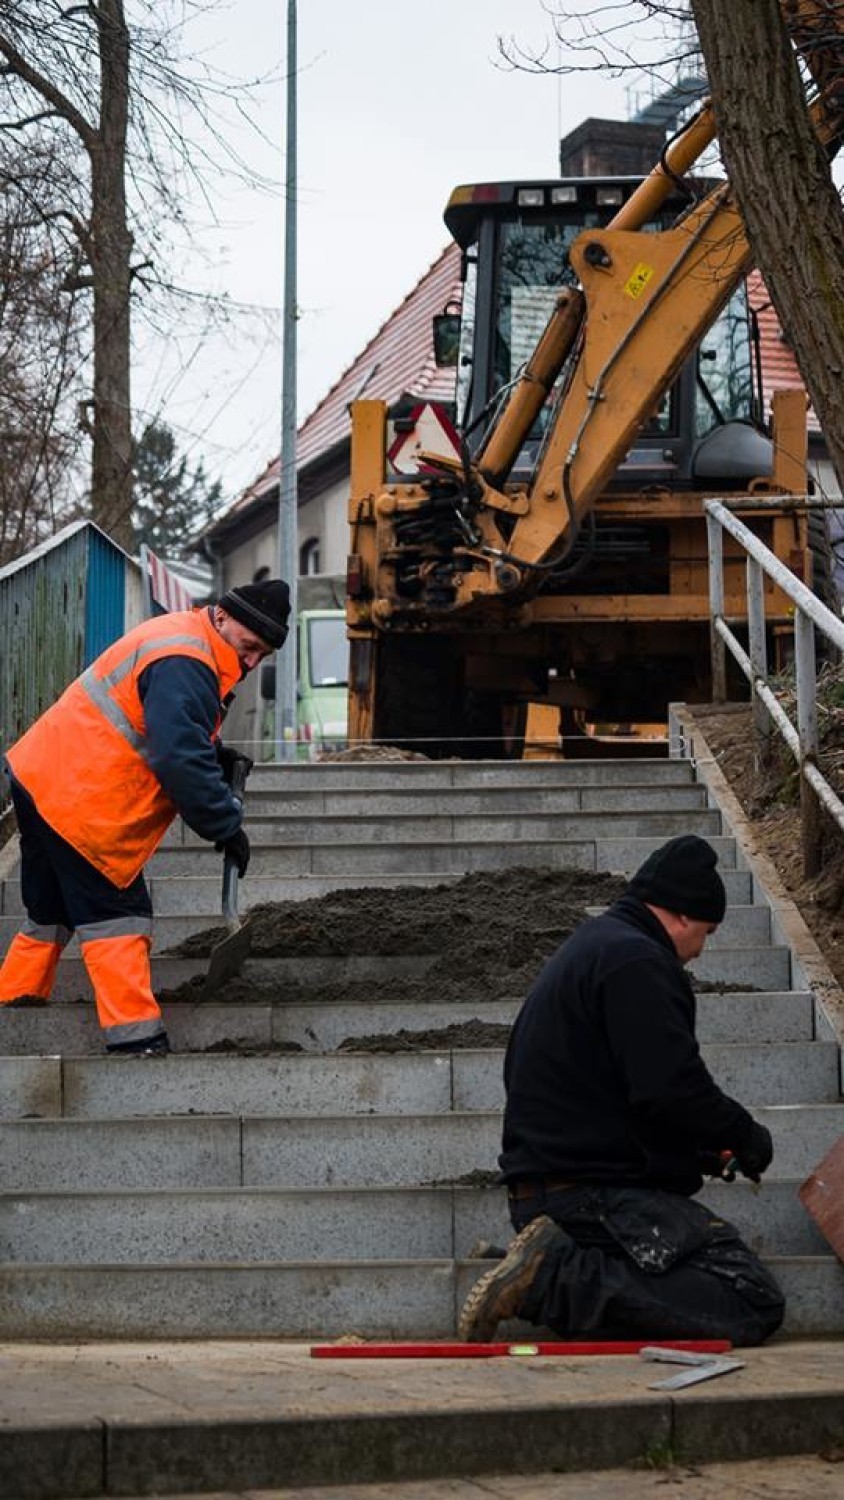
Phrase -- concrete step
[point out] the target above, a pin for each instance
(232, 1416)
(355, 1082)
(72, 1029)
(573, 848)
(387, 1150)
(319, 1224)
(436, 824)
(778, 1073)
(454, 806)
(491, 799)
(736, 968)
(265, 801)
(357, 775)
(744, 968)
(389, 1298)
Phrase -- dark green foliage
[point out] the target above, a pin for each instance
(173, 502)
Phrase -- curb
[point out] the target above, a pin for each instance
(98, 1458)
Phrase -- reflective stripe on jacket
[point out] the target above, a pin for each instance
(85, 761)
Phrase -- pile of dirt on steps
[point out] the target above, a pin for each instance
(484, 937)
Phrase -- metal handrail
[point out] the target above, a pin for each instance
(809, 615)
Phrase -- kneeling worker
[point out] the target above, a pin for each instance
(99, 778)
(611, 1118)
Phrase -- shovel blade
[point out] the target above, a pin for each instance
(227, 958)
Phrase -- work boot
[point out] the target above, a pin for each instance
(156, 1046)
(501, 1292)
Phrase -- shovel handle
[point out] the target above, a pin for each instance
(240, 770)
(230, 879)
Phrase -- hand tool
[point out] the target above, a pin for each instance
(431, 1350)
(704, 1366)
(228, 956)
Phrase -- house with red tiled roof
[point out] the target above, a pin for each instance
(396, 366)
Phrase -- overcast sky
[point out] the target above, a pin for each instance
(398, 103)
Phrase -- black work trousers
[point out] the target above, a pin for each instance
(641, 1263)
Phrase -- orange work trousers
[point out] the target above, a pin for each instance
(63, 893)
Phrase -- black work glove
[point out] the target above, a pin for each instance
(237, 846)
(711, 1163)
(229, 758)
(756, 1152)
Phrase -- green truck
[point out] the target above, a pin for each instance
(322, 685)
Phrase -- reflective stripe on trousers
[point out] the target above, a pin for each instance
(116, 955)
(29, 967)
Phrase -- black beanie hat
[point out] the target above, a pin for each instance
(262, 607)
(681, 876)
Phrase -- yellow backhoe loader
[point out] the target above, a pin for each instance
(606, 385)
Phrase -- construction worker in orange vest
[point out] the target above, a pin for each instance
(98, 779)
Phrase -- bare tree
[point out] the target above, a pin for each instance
(765, 62)
(50, 86)
(780, 172)
(103, 83)
(41, 356)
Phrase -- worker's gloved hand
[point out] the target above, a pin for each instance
(237, 846)
(710, 1163)
(756, 1152)
(230, 758)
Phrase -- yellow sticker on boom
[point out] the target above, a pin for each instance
(636, 284)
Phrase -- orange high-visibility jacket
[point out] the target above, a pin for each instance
(84, 762)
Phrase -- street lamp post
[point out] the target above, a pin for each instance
(288, 550)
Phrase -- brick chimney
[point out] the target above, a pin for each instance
(610, 148)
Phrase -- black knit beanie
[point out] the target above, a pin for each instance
(681, 876)
(262, 607)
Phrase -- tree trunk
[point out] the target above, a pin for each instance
(111, 249)
(783, 185)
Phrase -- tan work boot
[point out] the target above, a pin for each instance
(500, 1293)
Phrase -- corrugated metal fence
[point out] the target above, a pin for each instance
(60, 606)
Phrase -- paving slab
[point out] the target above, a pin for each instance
(326, 776)
(351, 1150)
(324, 1224)
(234, 1417)
(71, 1029)
(388, 1299)
(299, 1083)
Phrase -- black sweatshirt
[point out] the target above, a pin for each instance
(605, 1082)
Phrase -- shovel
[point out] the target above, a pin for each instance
(228, 956)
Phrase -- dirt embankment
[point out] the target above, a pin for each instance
(771, 800)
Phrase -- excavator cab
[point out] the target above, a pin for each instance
(515, 240)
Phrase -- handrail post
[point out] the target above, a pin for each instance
(807, 730)
(717, 648)
(758, 653)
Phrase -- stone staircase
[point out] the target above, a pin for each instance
(314, 1193)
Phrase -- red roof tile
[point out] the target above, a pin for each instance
(780, 370)
(398, 361)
